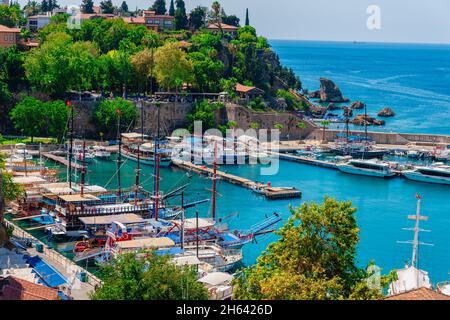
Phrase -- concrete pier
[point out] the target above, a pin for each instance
(268, 191)
(61, 160)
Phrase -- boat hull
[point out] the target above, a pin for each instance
(147, 161)
(360, 154)
(424, 178)
(365, 172)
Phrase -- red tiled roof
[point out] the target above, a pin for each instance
(138, 20)
(419, 294)
(19, 289)
(97, 9)
(215, 26)
(7, 29)
(247, 89)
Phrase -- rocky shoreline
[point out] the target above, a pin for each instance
(330, 93)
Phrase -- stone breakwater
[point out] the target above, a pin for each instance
(392, 138)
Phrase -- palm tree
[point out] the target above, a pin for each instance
(301, 125)
(325, 124)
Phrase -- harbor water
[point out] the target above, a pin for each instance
(383, 206)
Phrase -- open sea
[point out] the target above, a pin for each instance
(412, 79)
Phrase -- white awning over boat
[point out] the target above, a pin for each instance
(127, 218)
(28, 180)
(191, 223)
(78, 198)
(187, 260)
(132, 135)
(216, 278)
(146, 243)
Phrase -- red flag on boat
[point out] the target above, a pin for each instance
(69, 103)
(418, 196)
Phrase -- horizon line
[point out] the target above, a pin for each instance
(360, 41)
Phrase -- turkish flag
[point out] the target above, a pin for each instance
(418, 196)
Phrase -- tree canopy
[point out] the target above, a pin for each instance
(106, 115)
(149, 277)
(159, 6)
(314, 258)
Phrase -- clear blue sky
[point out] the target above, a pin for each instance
(337, 20)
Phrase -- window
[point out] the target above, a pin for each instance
(11, 38)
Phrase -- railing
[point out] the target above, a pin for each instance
(108, 211)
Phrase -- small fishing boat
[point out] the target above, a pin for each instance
(414, 154)
(435, 173)
(262, 157)
(373, 168)
(20, 153)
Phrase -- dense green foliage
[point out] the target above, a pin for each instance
(106, 116)
(314, 258)
(10, 190)
(33, 117)
(204, 112)
(153, 277)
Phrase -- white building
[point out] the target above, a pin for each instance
(38, 21)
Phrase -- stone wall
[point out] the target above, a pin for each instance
(265, 120)
(386, 137)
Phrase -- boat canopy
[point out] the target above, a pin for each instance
(216, 278)
(191, 223)
(91, 188)
(78, 198)
(28, 180)
(146, 243)
(127, 218)
(187, 260)
(133, 135)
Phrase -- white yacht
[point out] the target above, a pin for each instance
(436, 173)
(373, 168)
(101, 152)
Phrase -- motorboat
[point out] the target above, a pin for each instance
(101, 152)
(435, 173)
(373, 168)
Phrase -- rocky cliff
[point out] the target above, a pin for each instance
(330, 92)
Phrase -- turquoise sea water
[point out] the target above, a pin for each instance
(412, 79)
(382, 207)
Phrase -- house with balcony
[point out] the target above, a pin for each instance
(226, 28)
(152, 21)
(38, 21)
(9, 36)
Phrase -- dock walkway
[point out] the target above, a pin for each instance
(61, 160)
(305, 160)
(267, 191)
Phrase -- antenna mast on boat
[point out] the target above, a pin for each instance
(365, 121)
(69, 104)
(83, 168)
(415, 242)
(119, 156)
(214, 179)
(138, 167)
(156, 166)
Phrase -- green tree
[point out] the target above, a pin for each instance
(47, 67)
(11, 16)
(278, 126)
(56, 114)
(215, 16)
(143, 63)
(153, 277)
(254, 125)
(203, 111)
(313, 259)
(83, 65)
(11, 68)
(172, 9)
(206, 72)
(32, 8)
(301, 125)
(124, 7)
(87, 6)
(107, 6)
(247, 20)
(160, 7)
(324, 124)
(181, 20)
(197, 17)
(106, 115)
(28, 117)
(9, 190)
(172, 66)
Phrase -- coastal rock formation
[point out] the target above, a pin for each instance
(361, 120)
(386, 112)
(329, 92)
(332, 106)
(347, 112)
(314, 94)
(357, 105)
(317, 111)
